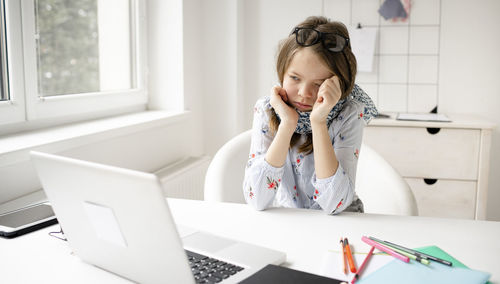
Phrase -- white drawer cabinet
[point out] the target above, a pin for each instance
(445, 164)
(444, 198)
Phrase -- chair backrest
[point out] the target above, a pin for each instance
(379, 186)
(224, 178)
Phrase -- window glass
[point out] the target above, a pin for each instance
(4, 94)
(83, 46)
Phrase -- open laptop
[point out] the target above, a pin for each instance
(118, 219)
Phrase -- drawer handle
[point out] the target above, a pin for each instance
(430, 181)
(433, 130)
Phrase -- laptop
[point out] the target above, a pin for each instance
(118, 219)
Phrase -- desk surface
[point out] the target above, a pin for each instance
(305, 235)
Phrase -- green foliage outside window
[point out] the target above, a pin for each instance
(67, 46)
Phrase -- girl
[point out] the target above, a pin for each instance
(306, 135)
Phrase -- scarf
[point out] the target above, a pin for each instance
(357, 94)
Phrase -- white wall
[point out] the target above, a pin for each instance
(219, 81)
(469, 63)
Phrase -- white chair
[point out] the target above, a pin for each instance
(378, 185)
(381, 188)
(224, 178)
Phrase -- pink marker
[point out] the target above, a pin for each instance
(385, 249)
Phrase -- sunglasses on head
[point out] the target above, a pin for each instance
(310, 36)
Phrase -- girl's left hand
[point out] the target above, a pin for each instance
(329, 94)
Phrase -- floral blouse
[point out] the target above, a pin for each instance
(295, 184)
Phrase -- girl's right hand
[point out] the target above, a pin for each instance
(287, 114)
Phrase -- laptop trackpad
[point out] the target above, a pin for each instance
(204, 242)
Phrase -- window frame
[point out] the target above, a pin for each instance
(4, 84)
(13, 110)
(26, 105)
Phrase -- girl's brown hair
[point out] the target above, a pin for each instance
(342, 64)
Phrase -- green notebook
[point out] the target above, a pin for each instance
(439, 253)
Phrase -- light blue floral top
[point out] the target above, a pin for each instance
(295, 184)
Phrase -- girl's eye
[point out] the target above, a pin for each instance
(295, 78)
(318, 84)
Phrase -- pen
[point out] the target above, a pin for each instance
(343, 255)
(415, 257)
(414, 252)
(411, 256)
(370, 253)
(385, 249)
(352, 266)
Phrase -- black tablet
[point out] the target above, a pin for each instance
(27, 219)
(278, 274)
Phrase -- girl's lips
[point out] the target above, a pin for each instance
(302, 106)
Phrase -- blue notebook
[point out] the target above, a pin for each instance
(397, 271)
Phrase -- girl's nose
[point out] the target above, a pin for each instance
(306, 91)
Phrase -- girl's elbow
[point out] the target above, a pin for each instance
(339, 205)
(259, 207)
(256, 205)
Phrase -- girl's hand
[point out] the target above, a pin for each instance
(287, 114)
(329, 94)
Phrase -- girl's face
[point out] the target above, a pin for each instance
(303, 78)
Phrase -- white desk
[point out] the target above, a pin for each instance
(305, 235)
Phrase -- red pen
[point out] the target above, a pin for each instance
(356, 277)
(352, 266)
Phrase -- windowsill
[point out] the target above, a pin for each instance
(15, 148)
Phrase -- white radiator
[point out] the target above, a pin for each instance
(185, 178)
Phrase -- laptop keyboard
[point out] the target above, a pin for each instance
(210, 270)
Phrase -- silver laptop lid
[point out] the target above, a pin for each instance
(114, 218)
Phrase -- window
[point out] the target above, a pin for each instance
(79, 59)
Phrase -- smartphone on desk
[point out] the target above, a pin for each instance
(27, 219)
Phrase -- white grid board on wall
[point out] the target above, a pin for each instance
(405, 74)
